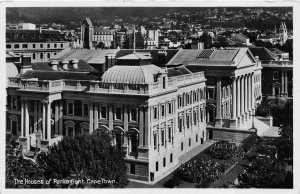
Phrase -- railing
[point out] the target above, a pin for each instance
(105, 87)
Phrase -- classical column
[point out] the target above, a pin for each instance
(56, 117)
(252, 95)
(286, 83)
(146, 126)
(110, 117)
(282, 82)
(39, 116)
(26, 119)
(96, 116)
(218, 119)
(91, 126)
(141, 126)
(44, 121)
(48, 120)
(22, 118)
(35, 116)
(242, 99)
(233, 122)
(246, 97)
(61, 117)
(125, 144)
(238, 97)
(249, 96)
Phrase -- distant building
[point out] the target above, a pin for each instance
(40, 45)
(93, 36)
(151, 39)
(283, 33)
(277, 73)
(27, 26)
(241, 38)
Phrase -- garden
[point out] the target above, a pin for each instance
(209, 166)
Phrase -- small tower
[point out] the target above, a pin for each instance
(282, 33)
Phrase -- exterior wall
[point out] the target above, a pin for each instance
(107, 39)
(39, 51)
(228, 135)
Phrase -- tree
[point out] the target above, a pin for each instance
(18, 168)
(264, 173)
(207, 39)
(85, 157)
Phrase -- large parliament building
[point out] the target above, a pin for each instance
(156, 105)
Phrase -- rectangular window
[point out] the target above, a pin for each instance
(70, 108)
(164, 83)
(16, 46)
(162, 138)
(179, 101)
(181, 146)
(170, 133)
(132, 168)
(190, 141)
(155, 113)
(85, 111)
(33, 45)
(188, 121)
(163, 113)
(170, 108)
(201, 115)
(155, 140)
(118, 113)
(156, 166)
(14, 104)
(133, 116)
(41, 55)
(71, 131)
(61, 45)
(8, 46)
(195, 96)
(195, 118)
(41, 46)
(24, 46)
(196, 137)
(164, 162)
(275, 75)
(171, 158)
(180, 124)
(55, 45)
(187, 99)
(48, 45)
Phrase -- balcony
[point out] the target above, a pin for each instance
(103, 87)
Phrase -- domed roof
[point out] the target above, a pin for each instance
(11, 70)
(131, 74)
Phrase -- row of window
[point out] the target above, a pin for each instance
(164, 162)
(32, 36)
(191, 97)
(103, 112)
(103, 37)
(188, 119)
(164, 137)
(165, 109)
(42, 55)
(34, 45)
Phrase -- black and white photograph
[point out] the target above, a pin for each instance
(134, 97)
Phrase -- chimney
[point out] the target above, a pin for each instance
(54, 65)
(75, 63)
(110, 59)
(65, 64)
(162, 57)
(25, 63)
(200, 45)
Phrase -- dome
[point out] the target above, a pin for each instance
(131, 74)
(11, 70)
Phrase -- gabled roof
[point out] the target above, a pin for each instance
(46, 66)
(90, 56)
(277, 51)
(131, 74)
(263, 53)
(134, 56)
(213, 57)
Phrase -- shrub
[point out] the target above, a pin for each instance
(224, 150)
(202, 171)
